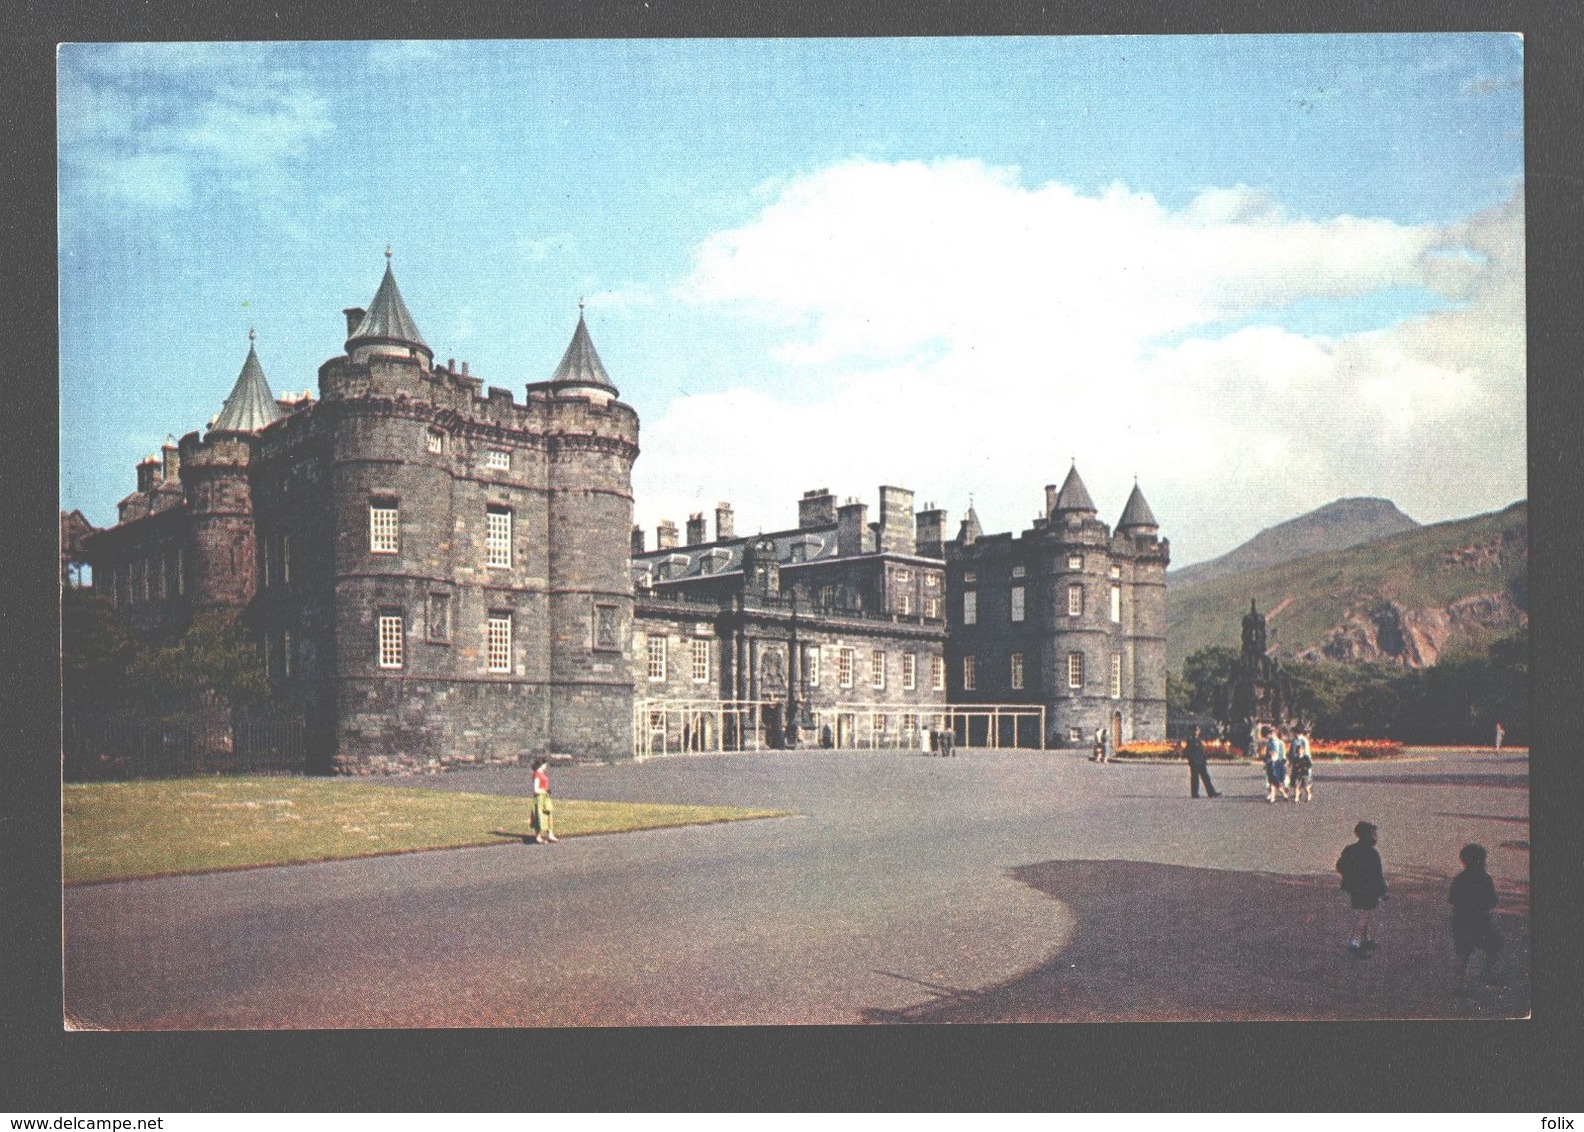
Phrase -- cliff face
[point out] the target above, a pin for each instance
(1336, 526)
(1416, 598)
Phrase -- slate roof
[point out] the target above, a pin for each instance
(726, 557)
(581, 365)
(1137, 513)
(1074, 496)
(251, 405)
(387, 318)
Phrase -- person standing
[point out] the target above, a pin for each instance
(1472, 897)
(1300, 766)
(543, 809)
(1275, 765)
(1500, 734)
(1365, 884)
(1198, 759)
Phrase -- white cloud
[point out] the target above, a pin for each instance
(987, 332)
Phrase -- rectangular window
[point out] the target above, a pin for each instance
(909, 725)
(701, 662)
(498, 642)
(1074, 735)
(437, 620)
(1075, 672)
(969, 577)
(932, 608)
(905, 604)
(1018, 571)
(932, 581)
(904, 577)
(844, 667)
(497, 536)
(392, 637)
(1075, 562)
(909, 671)
(498, 460)
(1017, 603)
(1116, 571)
(1116, 602)
(436, 442)
(811, 666)
(1074, 601)
(657, 658)
(1116, 676)
(971, 608)
(1017, 671)
(384, 527)
(970, 673)
(877, 669)
(878, 722)
(938, 673)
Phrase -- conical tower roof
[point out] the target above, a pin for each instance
(970, 529)
(1074, 496)
(581, 364)
(251, 405)
(1137, 513)
(387, 320)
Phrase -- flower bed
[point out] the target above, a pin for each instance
(1221, 749)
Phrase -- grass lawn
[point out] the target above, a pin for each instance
(119, 830)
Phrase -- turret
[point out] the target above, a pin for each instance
(1137, 521)
(581, 372)
(386, 329)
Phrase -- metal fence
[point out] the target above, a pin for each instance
(125, 746)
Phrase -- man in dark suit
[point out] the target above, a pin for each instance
(1198, 759)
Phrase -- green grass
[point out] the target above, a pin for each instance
(120, 830)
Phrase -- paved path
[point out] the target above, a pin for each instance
(993, 886)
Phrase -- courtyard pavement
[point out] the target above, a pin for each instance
(995, 886)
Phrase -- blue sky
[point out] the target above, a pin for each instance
(1259, 273)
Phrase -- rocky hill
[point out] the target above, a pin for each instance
(1413, 598)
(1344, 523)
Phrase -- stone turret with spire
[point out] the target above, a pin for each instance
(580, 372)
(386, 328)
(251, 406)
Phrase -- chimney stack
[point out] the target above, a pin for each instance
(1050, 499)
(354, 317)
(637, 541)
(725, 526)
(930, 527)
(896, 534)
(666, 535)
(816, 509)
(852, 523)
(695, 529)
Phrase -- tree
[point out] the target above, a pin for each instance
(95, 649)
(1207, 674)
(215, 655)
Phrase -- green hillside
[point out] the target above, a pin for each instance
(1452, 588)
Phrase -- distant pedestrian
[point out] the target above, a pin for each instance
(948, 742)
(1275, 754)
(1472, 897)
(543, 808)
(926, 740)
(1365, 884)
(1194, 752)
(1300, 766)
(1102, 745)
(1501, 733)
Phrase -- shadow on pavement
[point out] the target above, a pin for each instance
(1156, 942)
(1512, 781)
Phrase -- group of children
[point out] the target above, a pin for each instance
(1289, 768)
(1472, 896)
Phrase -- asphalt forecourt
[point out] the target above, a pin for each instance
(996, 886)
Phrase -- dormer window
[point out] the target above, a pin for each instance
(435, 442)
(714, 561)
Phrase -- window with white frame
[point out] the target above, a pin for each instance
(701, 662)
(497, 536)
(1017, 671)
(657, 658)
(1116, 571)
(436, 442)
(1116, 676)
(384, 527)
(1075, 670)
(905, 604)
(970, 576)
(971, 608)
(498, 642)
(1017, 603)
(392, 638)
(1019, 571)
(1116, 602)
(938, 673)
(904, 577)
(932, 608)
(909, 724)
(877, 667)
(879, 722)
(931, 581)
(1075, 562)
(497, 459)
(844, 667)
(811, 666)
(970, 673)
(909, 671)
(1074, 735)
(1075, 601)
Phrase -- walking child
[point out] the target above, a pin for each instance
(1300, 766)
(1275, 765)
(1472, 897)
(1365, 884)
(543, 825)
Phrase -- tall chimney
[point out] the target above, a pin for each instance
(637, 541)
(1051, 491)
(816, 509)
(695, 529)
(172, 455)
(666, 535)
(852, 522)
(354, 317)
(896, 521)
(725, 526)
(930, 528)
